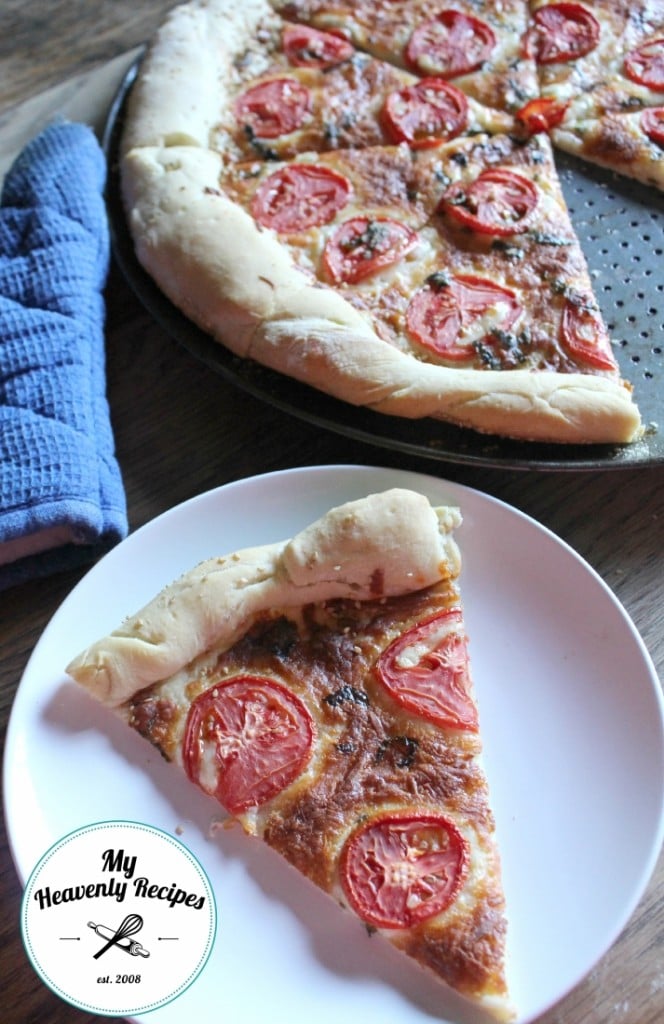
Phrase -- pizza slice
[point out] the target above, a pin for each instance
(475, 44)
(318, 94)
(279, 89)
(461, 256)
(422, 265)
(352, 104)
(629, 142)
(619, 123)
(445, 283)
(320, 691)
(601, 71)
(579, 47)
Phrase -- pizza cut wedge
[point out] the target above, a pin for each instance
(241, 80)
(581, 47)
(371, 227)
(462, 255)
(319, 94)
(475, 44)
(601, 75)
(319, 689)
(629, 142)
(316, 269)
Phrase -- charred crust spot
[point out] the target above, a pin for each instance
(401, 750)
(269, 638)
(346, 693)
(279, 638)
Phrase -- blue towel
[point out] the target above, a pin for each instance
(62, 500)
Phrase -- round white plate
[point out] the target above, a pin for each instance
(571, 714)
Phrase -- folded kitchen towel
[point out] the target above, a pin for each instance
(62, 500)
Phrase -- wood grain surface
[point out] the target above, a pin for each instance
(181, 430)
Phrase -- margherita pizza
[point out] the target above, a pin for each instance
(320, 691)
(363, 196)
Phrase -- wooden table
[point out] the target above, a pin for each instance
(181, 430)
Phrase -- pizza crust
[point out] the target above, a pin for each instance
(614, 141)
(382, 545)
(185, 75)
(266, 611)
(236, 281)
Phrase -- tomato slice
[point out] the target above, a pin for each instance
(541, 115)
(274, 107)
(645, 64)
(562, 32)
(426, 670)
(652, 123)
(584, 335)
(300, 196)
(362, 246)
(449, 44)
(426, 113)
(450, 318)
(401, 869)
(311, 48)
(498, 202)
(245, 740)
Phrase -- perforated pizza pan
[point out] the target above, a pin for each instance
(620, 225)
(621, 228)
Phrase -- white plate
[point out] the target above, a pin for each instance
(572, 719)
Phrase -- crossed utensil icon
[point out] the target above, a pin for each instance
(121, 937)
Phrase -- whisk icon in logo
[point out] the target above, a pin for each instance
(122, 937)
(93, 893)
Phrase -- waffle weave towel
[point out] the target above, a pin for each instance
(62, 500)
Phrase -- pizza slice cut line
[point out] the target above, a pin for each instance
(581, 63)
(447, 277)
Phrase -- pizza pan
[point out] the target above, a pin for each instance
(621, 228)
